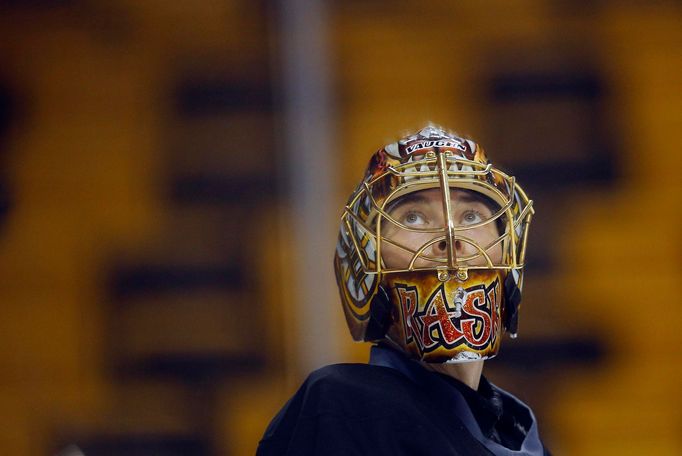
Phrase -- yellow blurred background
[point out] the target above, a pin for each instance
(173, 173)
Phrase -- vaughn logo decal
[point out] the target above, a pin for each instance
(441, 324)
(412, 148)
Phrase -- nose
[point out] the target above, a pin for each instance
(440, 249)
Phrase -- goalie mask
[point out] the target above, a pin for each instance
(431, 250)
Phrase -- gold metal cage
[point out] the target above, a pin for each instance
(366, 212)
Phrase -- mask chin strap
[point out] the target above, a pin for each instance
(512, 300)
(379, 316)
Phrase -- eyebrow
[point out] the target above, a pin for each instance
(471, 197)
(463, 196)
(410, 198)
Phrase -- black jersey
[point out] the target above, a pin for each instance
(392, 406)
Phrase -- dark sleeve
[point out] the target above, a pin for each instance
(355, 410)
(313, 435)
(328, 434)
(283, 428)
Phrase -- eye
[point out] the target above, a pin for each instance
(471, 217)
(414, 218)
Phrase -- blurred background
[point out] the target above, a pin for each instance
(172, 176)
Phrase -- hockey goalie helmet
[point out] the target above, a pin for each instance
(431, 249)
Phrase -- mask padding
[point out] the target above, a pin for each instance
(379, 316)
(512, 299)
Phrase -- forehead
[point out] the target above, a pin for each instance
(435, 196)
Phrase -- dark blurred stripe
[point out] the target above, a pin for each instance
(243, 190)
(545, 354)
(534, 86)
(193, 367)
(132, 280)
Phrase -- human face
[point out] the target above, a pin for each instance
(424, 210)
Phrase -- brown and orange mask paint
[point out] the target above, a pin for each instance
(439, 321)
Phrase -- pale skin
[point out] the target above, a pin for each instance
(424, 210)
